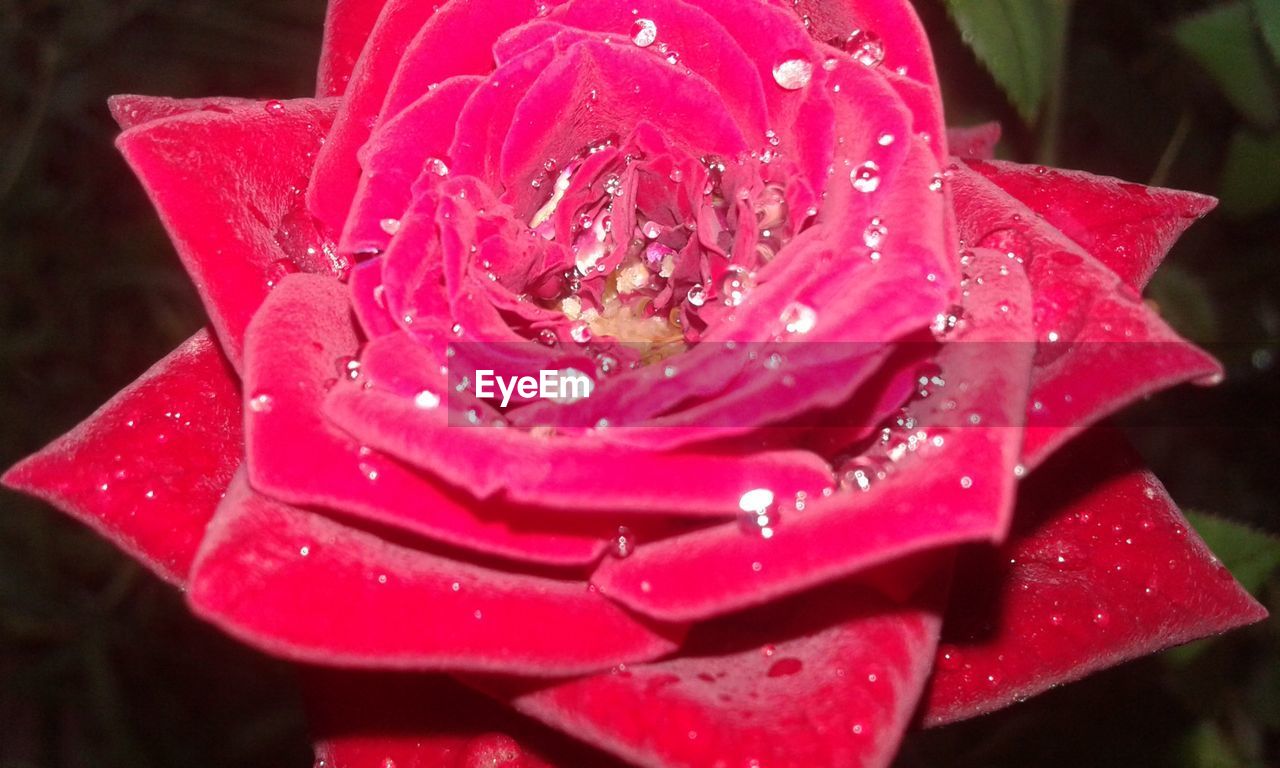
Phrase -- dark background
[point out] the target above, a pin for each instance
(101, 666)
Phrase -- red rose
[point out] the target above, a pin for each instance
(741, 221)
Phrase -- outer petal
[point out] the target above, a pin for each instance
(376, 720)
(307, 588)
(1099, 346)
(976, 142)
(347, 26)
(226, 183)
(1101, 569)
(148, 468)
(1128, 227)
(827, 679)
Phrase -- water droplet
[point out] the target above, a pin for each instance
(348, 368)
(935, 183)
(947, 322)
(861, 472)
(735, 284)
(875, 233)
(886, 139)
(426, 400)
(866, 177)
(759, 515)
(696, 296)
(793, 72)
(547, 337)
(390, 226)
(580, 333)
(644, 32)
(261, 403)
(437, 166)
(798, 318)
(274, 107)
(304, 551)
(624, 542)
(865, 47)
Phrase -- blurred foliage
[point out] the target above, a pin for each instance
(100, 665)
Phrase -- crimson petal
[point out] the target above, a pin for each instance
(1100, 347)
(226, 183)
(829, 678)
(1128, 227)
(347, 26)
(1101, 568)
(307, 588)
(148, 468)
(378, 719)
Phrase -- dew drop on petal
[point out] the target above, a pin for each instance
(426, 400)
(735, 284)
(261, 403)
(697, 296)
(390, 226)
(875, 233)
(798, 318)
(624, 542)
(793, 72)
(644, 32)
(865, 47)
(866, 177)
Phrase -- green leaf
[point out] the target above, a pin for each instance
(1247, 188)
(1268, 13)
(1208, 747)
(1249, 554)
(1019, 41)
(1222, 40)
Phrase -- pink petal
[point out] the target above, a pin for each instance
(394, 158)
(131, 110)
(1128, 227)
(1099, 346)
(305, 587)
(974, 143)
(377, 720)
(418, 44)
(295, 345)
(828, 678)
(893, 21)
(967, 482)
(148, 468)
(226, 184)
(1101, 568)
(347, 26)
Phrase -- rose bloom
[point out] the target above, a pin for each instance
(844, 470)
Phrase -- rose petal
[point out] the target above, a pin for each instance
(302, 586)
(148, 468)
(1128, 227)
(976, 142)
(226, 185)
(380, 720)
(967, 482)
(394, 159)
(430, 43)
(1099, 346)
(347, 26)
(295, 345)
(1101, 568)
(131, 110)
(829, 678)
(894, 23)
